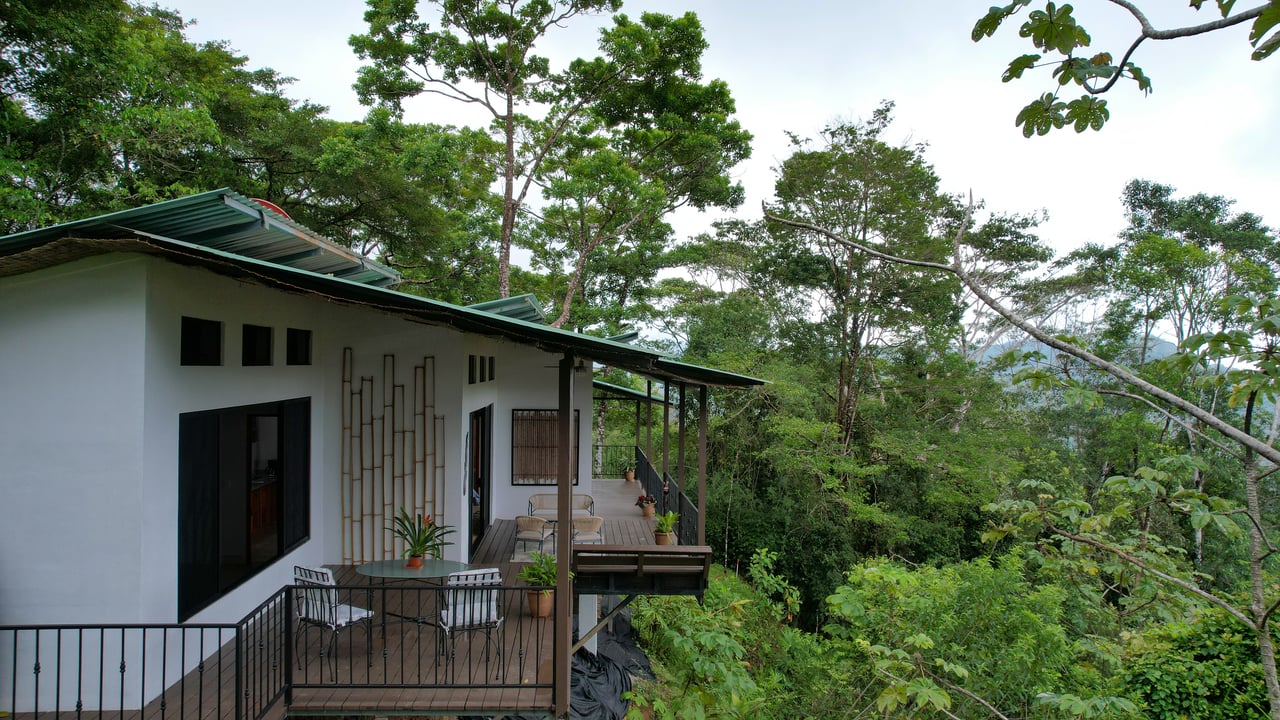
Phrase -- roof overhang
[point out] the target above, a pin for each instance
(29, 252)
(221, 220)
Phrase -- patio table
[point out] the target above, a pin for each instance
(392, 570)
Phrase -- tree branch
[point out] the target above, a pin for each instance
(1246, 440)
(1174, 418)
(1133, 560)
(1149, 30)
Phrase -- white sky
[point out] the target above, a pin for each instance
(1211, 125)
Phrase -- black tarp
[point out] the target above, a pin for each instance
(596, 685)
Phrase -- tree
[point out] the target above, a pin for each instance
(879, 193)
(1254, 348)
(1055, 32)
(613, 142)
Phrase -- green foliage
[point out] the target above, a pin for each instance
(1054, 30)
(421, 537)
(976, 625)
(613, 142)
(541, 571)
(1205, 667)
(666, 522)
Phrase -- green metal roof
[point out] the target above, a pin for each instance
(623, 393)
(221, 220)
(521, 307)
(29, 251)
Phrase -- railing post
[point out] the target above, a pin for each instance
(239, 674)
(289, 630)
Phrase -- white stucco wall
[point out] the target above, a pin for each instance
(526, 379)
(93, 389)
(71, 454)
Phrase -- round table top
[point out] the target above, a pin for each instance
(395, 569)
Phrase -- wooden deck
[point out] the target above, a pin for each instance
(472, 683)
(398, 670)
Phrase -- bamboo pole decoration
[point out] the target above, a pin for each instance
(368, 462)
(419, 436)
(389, 456)
(344, 461)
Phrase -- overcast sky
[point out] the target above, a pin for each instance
(1211, 125)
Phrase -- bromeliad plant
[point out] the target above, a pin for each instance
(666, 522)
(421, 536)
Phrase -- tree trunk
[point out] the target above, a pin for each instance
(1257, 588)
(509, 204)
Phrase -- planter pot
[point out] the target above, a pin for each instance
(661, 538)
(415, 562)
(629, 476)
(646, 510)
(541, 603)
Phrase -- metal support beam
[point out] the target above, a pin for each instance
(561, 656)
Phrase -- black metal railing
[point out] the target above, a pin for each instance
(611, 461)
(670, 496)
(420, 636)
(88, 671)
(430, 637)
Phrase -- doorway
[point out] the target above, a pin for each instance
(479, 476)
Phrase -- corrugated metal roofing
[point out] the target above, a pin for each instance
(624, 393)
(55, 250)
(521, 307)
(222, 220)
(291, 258)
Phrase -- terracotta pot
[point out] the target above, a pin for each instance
(647, 510)
(415, 562)
(629, 476)
(661, 538)
(541, 602)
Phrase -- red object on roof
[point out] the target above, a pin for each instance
(272, 207)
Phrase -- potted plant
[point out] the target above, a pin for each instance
(629, 473)
(663, 530)
(646, 503)
(540, 573)
(421, 536)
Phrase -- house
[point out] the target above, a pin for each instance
(200, 394)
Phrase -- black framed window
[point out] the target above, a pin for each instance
(256, 348)
(297, 346)
(534, 447)
(201, 341)
(244, 483)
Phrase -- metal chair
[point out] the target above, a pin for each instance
(530, 528)
(588, 530)
(315, 602)
(470, 605)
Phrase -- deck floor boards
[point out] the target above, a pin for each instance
(406, 655)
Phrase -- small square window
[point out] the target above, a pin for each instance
(298, 347)
(256, 349)
(201, 341)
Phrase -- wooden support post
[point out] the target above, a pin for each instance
(648, 420)
(564, 542)
(702, 464)
(666, 441)
(680, 440)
